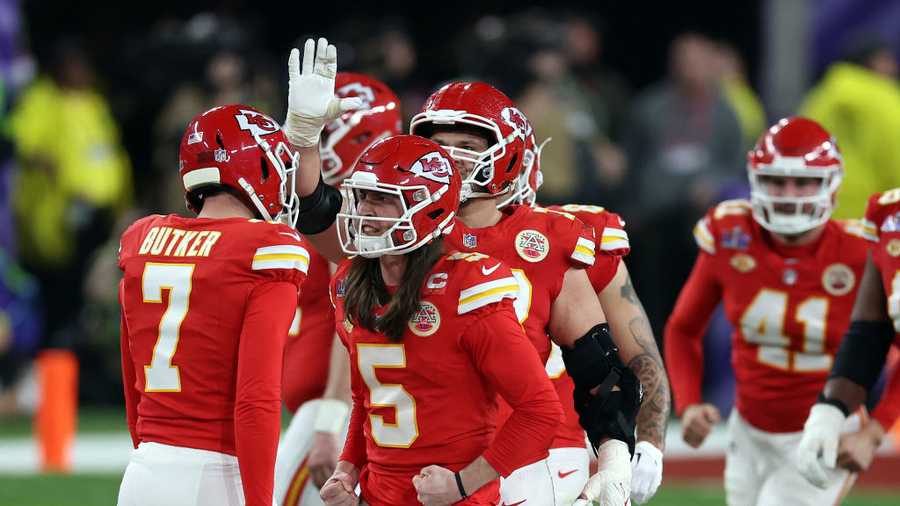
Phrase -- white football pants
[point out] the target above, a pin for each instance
(166, 475)
(554, 481)
(759, 470)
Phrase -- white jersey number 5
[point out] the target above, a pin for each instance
(405, 430)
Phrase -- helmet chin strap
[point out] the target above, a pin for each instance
(253, 198)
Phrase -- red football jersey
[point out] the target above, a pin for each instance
(206, 306)
(431, 398)
(308, 349)
(609, 229)
(882, 226)
(540, 245)
(789, 307)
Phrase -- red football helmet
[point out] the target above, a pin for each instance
(483, 106)
(241, 148)
(421, 175)
(345, 138)
(794, 147)
(531, 178)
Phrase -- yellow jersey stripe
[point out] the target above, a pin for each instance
(512, 289)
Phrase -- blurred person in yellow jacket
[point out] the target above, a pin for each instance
(858, 100)
(74, 178)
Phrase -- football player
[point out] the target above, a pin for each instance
(787, 275)
(206, 307)
(493, 142)
(433, 339)
(875, 324)
(310, 447)
(610, 279)
(578, 325)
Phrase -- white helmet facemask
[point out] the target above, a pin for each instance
(476, 180)
(791, 215)
(287, 196)
(350, 224)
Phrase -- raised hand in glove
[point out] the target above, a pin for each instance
(311, 100)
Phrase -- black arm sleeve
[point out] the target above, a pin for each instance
(863, 352)
(319, 209)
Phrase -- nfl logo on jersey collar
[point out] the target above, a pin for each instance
(470, 240)
(789, 276)
(736, 238)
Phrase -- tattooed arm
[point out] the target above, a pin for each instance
(632, 333)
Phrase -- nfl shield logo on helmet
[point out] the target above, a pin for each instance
(470, 241)
(426, 320)
(532, 245)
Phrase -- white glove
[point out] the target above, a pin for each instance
(611, 486)
(311, 100)
(818, 448)
(646, 471)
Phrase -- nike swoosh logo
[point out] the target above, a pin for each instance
(290, 234)
(563, 475)
(514, 504)
(488, 272)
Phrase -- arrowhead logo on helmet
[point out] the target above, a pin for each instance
(357, 89)
(434, 167)
(256, 123)
(514, 118)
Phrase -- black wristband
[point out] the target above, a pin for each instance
(459, 485)
(834, 402)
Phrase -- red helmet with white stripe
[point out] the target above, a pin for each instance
(347, 136)
(481, 106)
(245, 151)
(797, 148)
(417, 172)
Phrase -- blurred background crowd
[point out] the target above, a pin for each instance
(651, 109)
